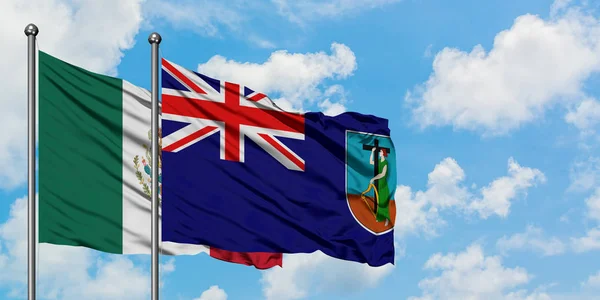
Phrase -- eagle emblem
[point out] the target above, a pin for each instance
(145, 175)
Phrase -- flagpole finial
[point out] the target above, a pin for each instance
(154, 38)
(31, 29)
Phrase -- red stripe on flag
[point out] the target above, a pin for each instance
(232, 113)
(284, 151)
(182, 77)
(257, 97)
(260, 260)
(189, 138)
(232, 129)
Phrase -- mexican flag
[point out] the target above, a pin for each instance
(94, 166)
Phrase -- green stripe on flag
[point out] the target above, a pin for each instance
(80, 157)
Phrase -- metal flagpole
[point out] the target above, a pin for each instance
(154, 40)
(31, 32)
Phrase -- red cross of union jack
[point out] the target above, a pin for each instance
(236, 112)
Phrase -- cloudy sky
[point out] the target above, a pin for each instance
(493, 107)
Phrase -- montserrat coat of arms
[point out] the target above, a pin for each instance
(145, 175)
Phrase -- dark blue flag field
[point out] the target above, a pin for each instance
(241, 174)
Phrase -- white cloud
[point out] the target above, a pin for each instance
(532, 239)
(428, 52)
(71, 30)
(587, 243)
(585, 174)
(472, 275)
(298, 78)
(415, 214)
(89, 276)
(213, 293)
(591, 241)
(301, 11)
(332, 106)
(593, 205)
(586, 116)
(168, 267)
(331, 109)
(525, 295)
(532, 66)
(305, 274)
(202, 16)
(165, 269)
(443, 185)
(497, 195)
(419, 211)
(593, 282)
(209, 18)
(261, 42)
(118, 278)
(559, 6)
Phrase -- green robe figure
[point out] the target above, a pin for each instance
(383, 201)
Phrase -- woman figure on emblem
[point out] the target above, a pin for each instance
(383, 199)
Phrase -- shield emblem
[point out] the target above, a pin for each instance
(371, 180)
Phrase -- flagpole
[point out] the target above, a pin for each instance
(154, 40)
(31, 32)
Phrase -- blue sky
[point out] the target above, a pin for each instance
(493, 110)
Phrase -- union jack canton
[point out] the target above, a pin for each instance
(236, 112)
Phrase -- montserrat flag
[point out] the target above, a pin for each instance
(241, 174)
(94, 166)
